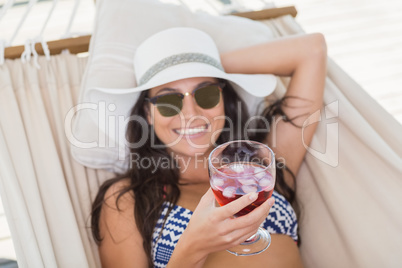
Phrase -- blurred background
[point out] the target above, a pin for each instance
(364, 37)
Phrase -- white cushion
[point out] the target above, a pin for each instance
(120, 27)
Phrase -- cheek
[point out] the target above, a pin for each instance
(163, 127)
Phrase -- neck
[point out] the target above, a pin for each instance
(193, 169)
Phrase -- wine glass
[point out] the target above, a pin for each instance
(237, 168)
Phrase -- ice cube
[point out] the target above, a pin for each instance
(229, 192)
(258, 169)
(237, 168)
(260, 174)
(217, 182)
(265, 182)
(249, 188)
(248, 169)
(247, 181)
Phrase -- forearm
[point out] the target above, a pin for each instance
(281, 57)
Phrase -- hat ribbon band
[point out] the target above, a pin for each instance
(178, 59)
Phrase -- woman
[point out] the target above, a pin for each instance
(191, 100)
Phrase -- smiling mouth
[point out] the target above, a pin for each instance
(191, 131)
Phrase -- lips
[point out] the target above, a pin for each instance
(191, 131)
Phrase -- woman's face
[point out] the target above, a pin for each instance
(194, 129)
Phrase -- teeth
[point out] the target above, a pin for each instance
(191, 131)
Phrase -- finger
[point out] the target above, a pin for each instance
(239, 236)
(265, 208)
(246, 236)
(246, 232)
(254, 218)
(208, 198)
(267, 205)
(262, 211)
(235, 206)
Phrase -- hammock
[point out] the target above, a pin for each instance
(349, 185)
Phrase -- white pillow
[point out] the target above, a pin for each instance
(120, 27)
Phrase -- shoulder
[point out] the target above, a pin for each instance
(282, 218)
(122, 242)
(117, 211)
(118, 197)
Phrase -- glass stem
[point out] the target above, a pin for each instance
(251, 238)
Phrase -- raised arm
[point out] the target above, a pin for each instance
(304, 59)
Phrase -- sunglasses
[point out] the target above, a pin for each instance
(206, 96)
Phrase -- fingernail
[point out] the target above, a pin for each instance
(253, 196)
(271, 202)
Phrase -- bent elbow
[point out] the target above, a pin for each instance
(318, 45)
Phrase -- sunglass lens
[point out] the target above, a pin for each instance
(207, 97)
(169, 105)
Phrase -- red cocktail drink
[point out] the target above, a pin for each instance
(237, 179)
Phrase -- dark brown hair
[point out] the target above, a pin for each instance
(153, 187)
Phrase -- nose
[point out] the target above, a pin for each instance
(190, 108)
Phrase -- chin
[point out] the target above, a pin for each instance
(191, 149)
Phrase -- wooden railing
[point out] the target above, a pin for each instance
(81, 44)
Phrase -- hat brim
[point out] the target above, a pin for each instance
(246, 85)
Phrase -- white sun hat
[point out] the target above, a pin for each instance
(175, 54)
(167, 56)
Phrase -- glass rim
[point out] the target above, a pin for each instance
(238, 141)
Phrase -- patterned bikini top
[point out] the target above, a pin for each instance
(281, 220)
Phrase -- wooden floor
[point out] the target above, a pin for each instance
(364, 37)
